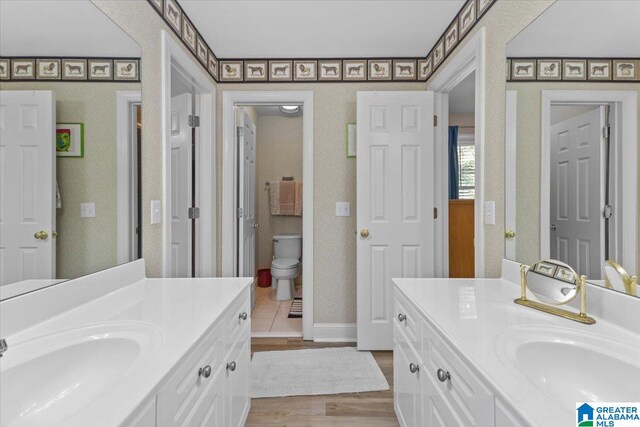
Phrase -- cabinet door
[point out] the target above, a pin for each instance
(436, 412)
(406, 383)
(237, 382)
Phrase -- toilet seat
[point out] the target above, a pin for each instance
(285, 263)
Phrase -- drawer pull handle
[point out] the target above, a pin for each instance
(402, 317)
(413, 368)
(443, 375)
(243, 316)
(231, 366)
(205, 372)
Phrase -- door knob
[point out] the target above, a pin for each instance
(41, 235)
(509, 234)
(364, 233)
(553, 227)
(256, 225)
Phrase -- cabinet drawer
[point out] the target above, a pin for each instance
(406, 382)
(411, 323)
(180, 400)
(234, 319)
(237, 400)
(470, 400)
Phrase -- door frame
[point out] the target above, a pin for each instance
(510, 156)
(304, 98)
(173, 55)
(125, 100)
(624, 133)
(470, 58)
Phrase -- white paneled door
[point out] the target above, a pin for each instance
(577, 192)
(247, 148)
(395, 185)
(181, 183)
(27, 186)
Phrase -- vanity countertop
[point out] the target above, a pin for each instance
(178, 312)
(478, 317)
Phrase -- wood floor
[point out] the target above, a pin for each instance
(351, 409)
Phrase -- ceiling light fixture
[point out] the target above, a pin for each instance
(290, 109)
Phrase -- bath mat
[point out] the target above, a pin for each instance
(295, 312)
(314, 372)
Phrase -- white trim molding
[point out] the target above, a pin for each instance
(126, 127)
(624, 130)
(470, 58)
(174, 56)
(229, 164)
(335, 332)
(510, 161)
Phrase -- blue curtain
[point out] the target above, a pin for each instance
(453, 163)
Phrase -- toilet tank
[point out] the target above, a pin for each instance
(287, 246)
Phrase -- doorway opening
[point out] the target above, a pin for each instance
(267, 213)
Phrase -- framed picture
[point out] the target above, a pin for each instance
(23, 69)
(74, 69)
(564, 274)
(404, 69)
(599, 70)
(4, 69)
(438, 53)
(467, 18)
(354, 69)
(624, 69)
(100, 69)
(212, 65)
(424, 68)
(255, 71)
(451, 37)
(523, 69)
(188, 33)
(574, 69)
(330, 70)
(201, 50)
(380, 69)
(70, 139)
(173, 15)
(549, 69)
(126, 69)
(48, 69)
(280, 70)
(231, 71)
(305, 70)
(351, 139)
(545, 268)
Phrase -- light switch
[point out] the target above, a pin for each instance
(87, 210)
(156, 212)
(490, 213)
(343, 209)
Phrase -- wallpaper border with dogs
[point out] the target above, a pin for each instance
(272, 70)
(593, 70)
(70, 69)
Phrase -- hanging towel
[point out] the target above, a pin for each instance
(274, 197)
(58, 196)
(285, 198)
(297, 210)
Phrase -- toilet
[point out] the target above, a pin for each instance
(285, 267)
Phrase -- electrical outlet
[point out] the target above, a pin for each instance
(87, 210)
(343, 209)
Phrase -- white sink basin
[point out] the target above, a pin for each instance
(45, 380)
(571, 366)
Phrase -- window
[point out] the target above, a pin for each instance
(467, 167)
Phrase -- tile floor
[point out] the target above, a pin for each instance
(270, 317)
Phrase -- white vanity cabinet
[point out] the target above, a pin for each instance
(433, 386)
(210, 386)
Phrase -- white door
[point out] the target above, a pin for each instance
(27, 186)
(247, 147)
(577, 192)
(395, 185)
(181, 153)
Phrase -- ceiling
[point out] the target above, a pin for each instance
(321, 28)
(61, 28)
(462, 97)
(582, 28)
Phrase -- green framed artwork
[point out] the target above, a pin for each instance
(70, 139)
(351, 139)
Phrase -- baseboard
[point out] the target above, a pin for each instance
(335, 332)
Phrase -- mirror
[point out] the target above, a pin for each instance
(572, 138)
(70, 98)
(553, 282)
